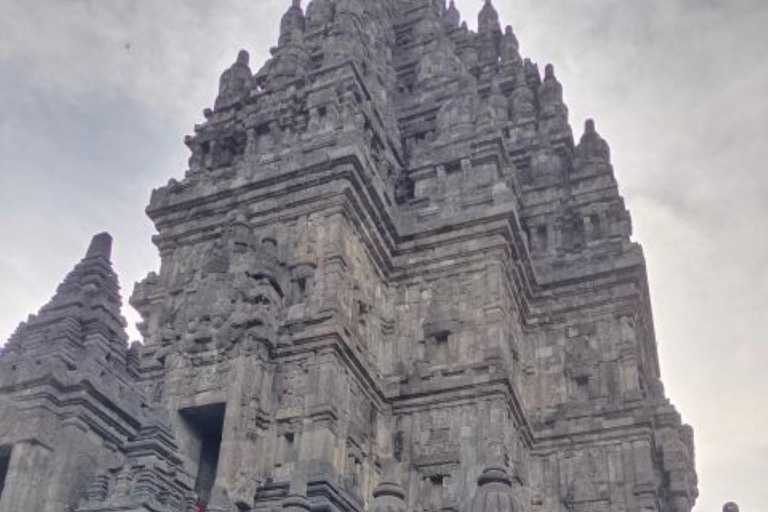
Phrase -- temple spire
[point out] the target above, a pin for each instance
(235, 82)
(100, 247)
(84, 311)
(552, 108)
(592, 154)
(293, 24)
(488, 19)
(452, 16)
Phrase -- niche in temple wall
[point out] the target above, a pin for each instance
(293, 385)
(581, 362)
(587, 483)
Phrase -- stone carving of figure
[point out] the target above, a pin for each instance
(627, 328)
(546, 162)
(234, 82)
(239, 301)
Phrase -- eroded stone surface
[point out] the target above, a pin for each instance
(390, 281)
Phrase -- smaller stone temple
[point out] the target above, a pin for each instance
(391, 280)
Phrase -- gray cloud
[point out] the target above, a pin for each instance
(89, 126)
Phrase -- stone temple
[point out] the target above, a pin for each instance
(391, 281)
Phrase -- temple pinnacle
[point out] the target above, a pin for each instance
(101, 246)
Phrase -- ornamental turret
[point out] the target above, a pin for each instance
(552, 109)
(489, 33)
(592, 155)
(488, 20)
(292, 25)
(523, 100)
(235, 82)
(509, 49)
(452, 17)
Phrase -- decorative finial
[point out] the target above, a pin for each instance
(389, 495)
(495, 491)
(730, 507)
(243, 58)
(101, 246)
(593, 153)
(488, 19)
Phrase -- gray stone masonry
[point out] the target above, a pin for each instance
(391, 281)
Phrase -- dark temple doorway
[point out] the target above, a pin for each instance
(5, 462)
(206, 423)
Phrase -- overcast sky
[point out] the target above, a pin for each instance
(96, 97)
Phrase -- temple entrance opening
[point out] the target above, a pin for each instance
(5, 462)
(206, 424)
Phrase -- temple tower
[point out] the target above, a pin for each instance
(391, 279)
